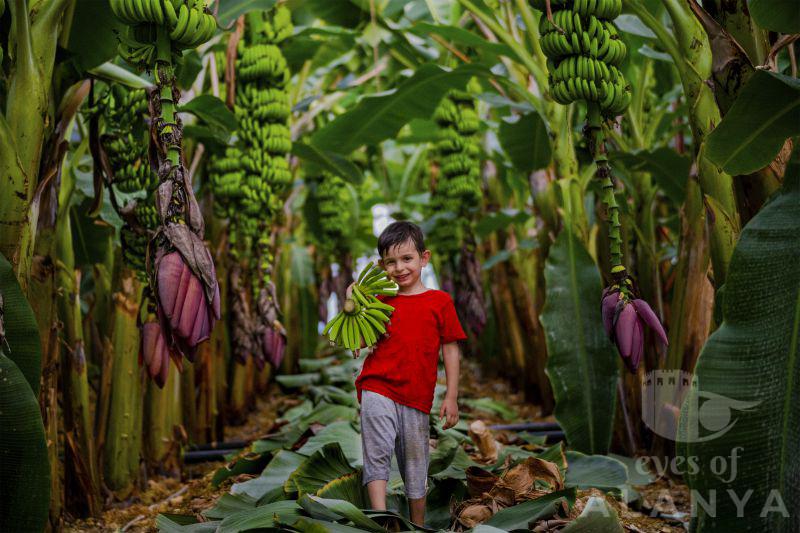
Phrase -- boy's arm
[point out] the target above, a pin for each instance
(449, 410)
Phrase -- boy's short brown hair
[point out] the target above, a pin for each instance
(399, 232)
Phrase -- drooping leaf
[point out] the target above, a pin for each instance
(24, 466)
(463, 37)
(265, 516)
(442, 456)
(669, 169)
(638, 473)
(499, 257)
(272, 477)
(526, 142)
(348, 487)
(457, 467)
(594, 471)
(228, 505)
(781, 16)
(633, 25)
(343, 434)
(502, 219)
(296, 381)
(345, 510)
(519, 516)
(748, 381)
(491, 406)
(170, 524)
(333, 394)
(212, 110)
(328, 413)
(445, 494)
(331, 161)
(581, 362)
(376, 118)
(313, 525)
(230, 10)
(345, 13)
(252, 463)
(22, 333)
(597, 517)
(89, 49)
(764, 115)
(321, 467)
(188, 68)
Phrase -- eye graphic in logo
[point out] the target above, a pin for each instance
(706, 415)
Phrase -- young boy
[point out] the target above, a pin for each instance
(396, 384)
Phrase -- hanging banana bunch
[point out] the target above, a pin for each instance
(263, 110)
(180, 267)
(458, 190)
(185, 23)
(333, 198)
(584, 53)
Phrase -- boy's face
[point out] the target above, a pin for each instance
(404, 263)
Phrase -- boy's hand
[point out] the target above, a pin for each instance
(449, 411)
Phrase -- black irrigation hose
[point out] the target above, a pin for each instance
(201, 456)
(216, 451)
(526, 426)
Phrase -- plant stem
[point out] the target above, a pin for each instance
(594, 134)
(165, 79)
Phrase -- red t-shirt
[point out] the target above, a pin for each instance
(403, 364)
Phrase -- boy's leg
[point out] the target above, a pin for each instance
(378, 431)
(413, 450)
(377, 494)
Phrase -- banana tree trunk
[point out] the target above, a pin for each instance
(23, 127)
(188, 394)
(81, 480)
(123, 442)
(238, 401)
(43, 301)
(161, 427)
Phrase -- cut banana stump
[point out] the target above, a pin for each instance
(363, 319)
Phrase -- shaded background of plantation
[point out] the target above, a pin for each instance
(695, 161)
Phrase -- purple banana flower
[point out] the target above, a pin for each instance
(187, 315)
(624, 321)
(273, 346)
(154, 353)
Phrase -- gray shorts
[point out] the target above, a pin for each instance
(387, 426)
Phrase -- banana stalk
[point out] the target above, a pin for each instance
(691, 53)
(123, 440)
(162, 419)
(81, 477)
(42, 293)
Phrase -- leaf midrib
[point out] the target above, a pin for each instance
(573, 276)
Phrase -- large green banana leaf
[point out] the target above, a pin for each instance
(581, 362)
(745, 409)
(24, 468)
(22, 333)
